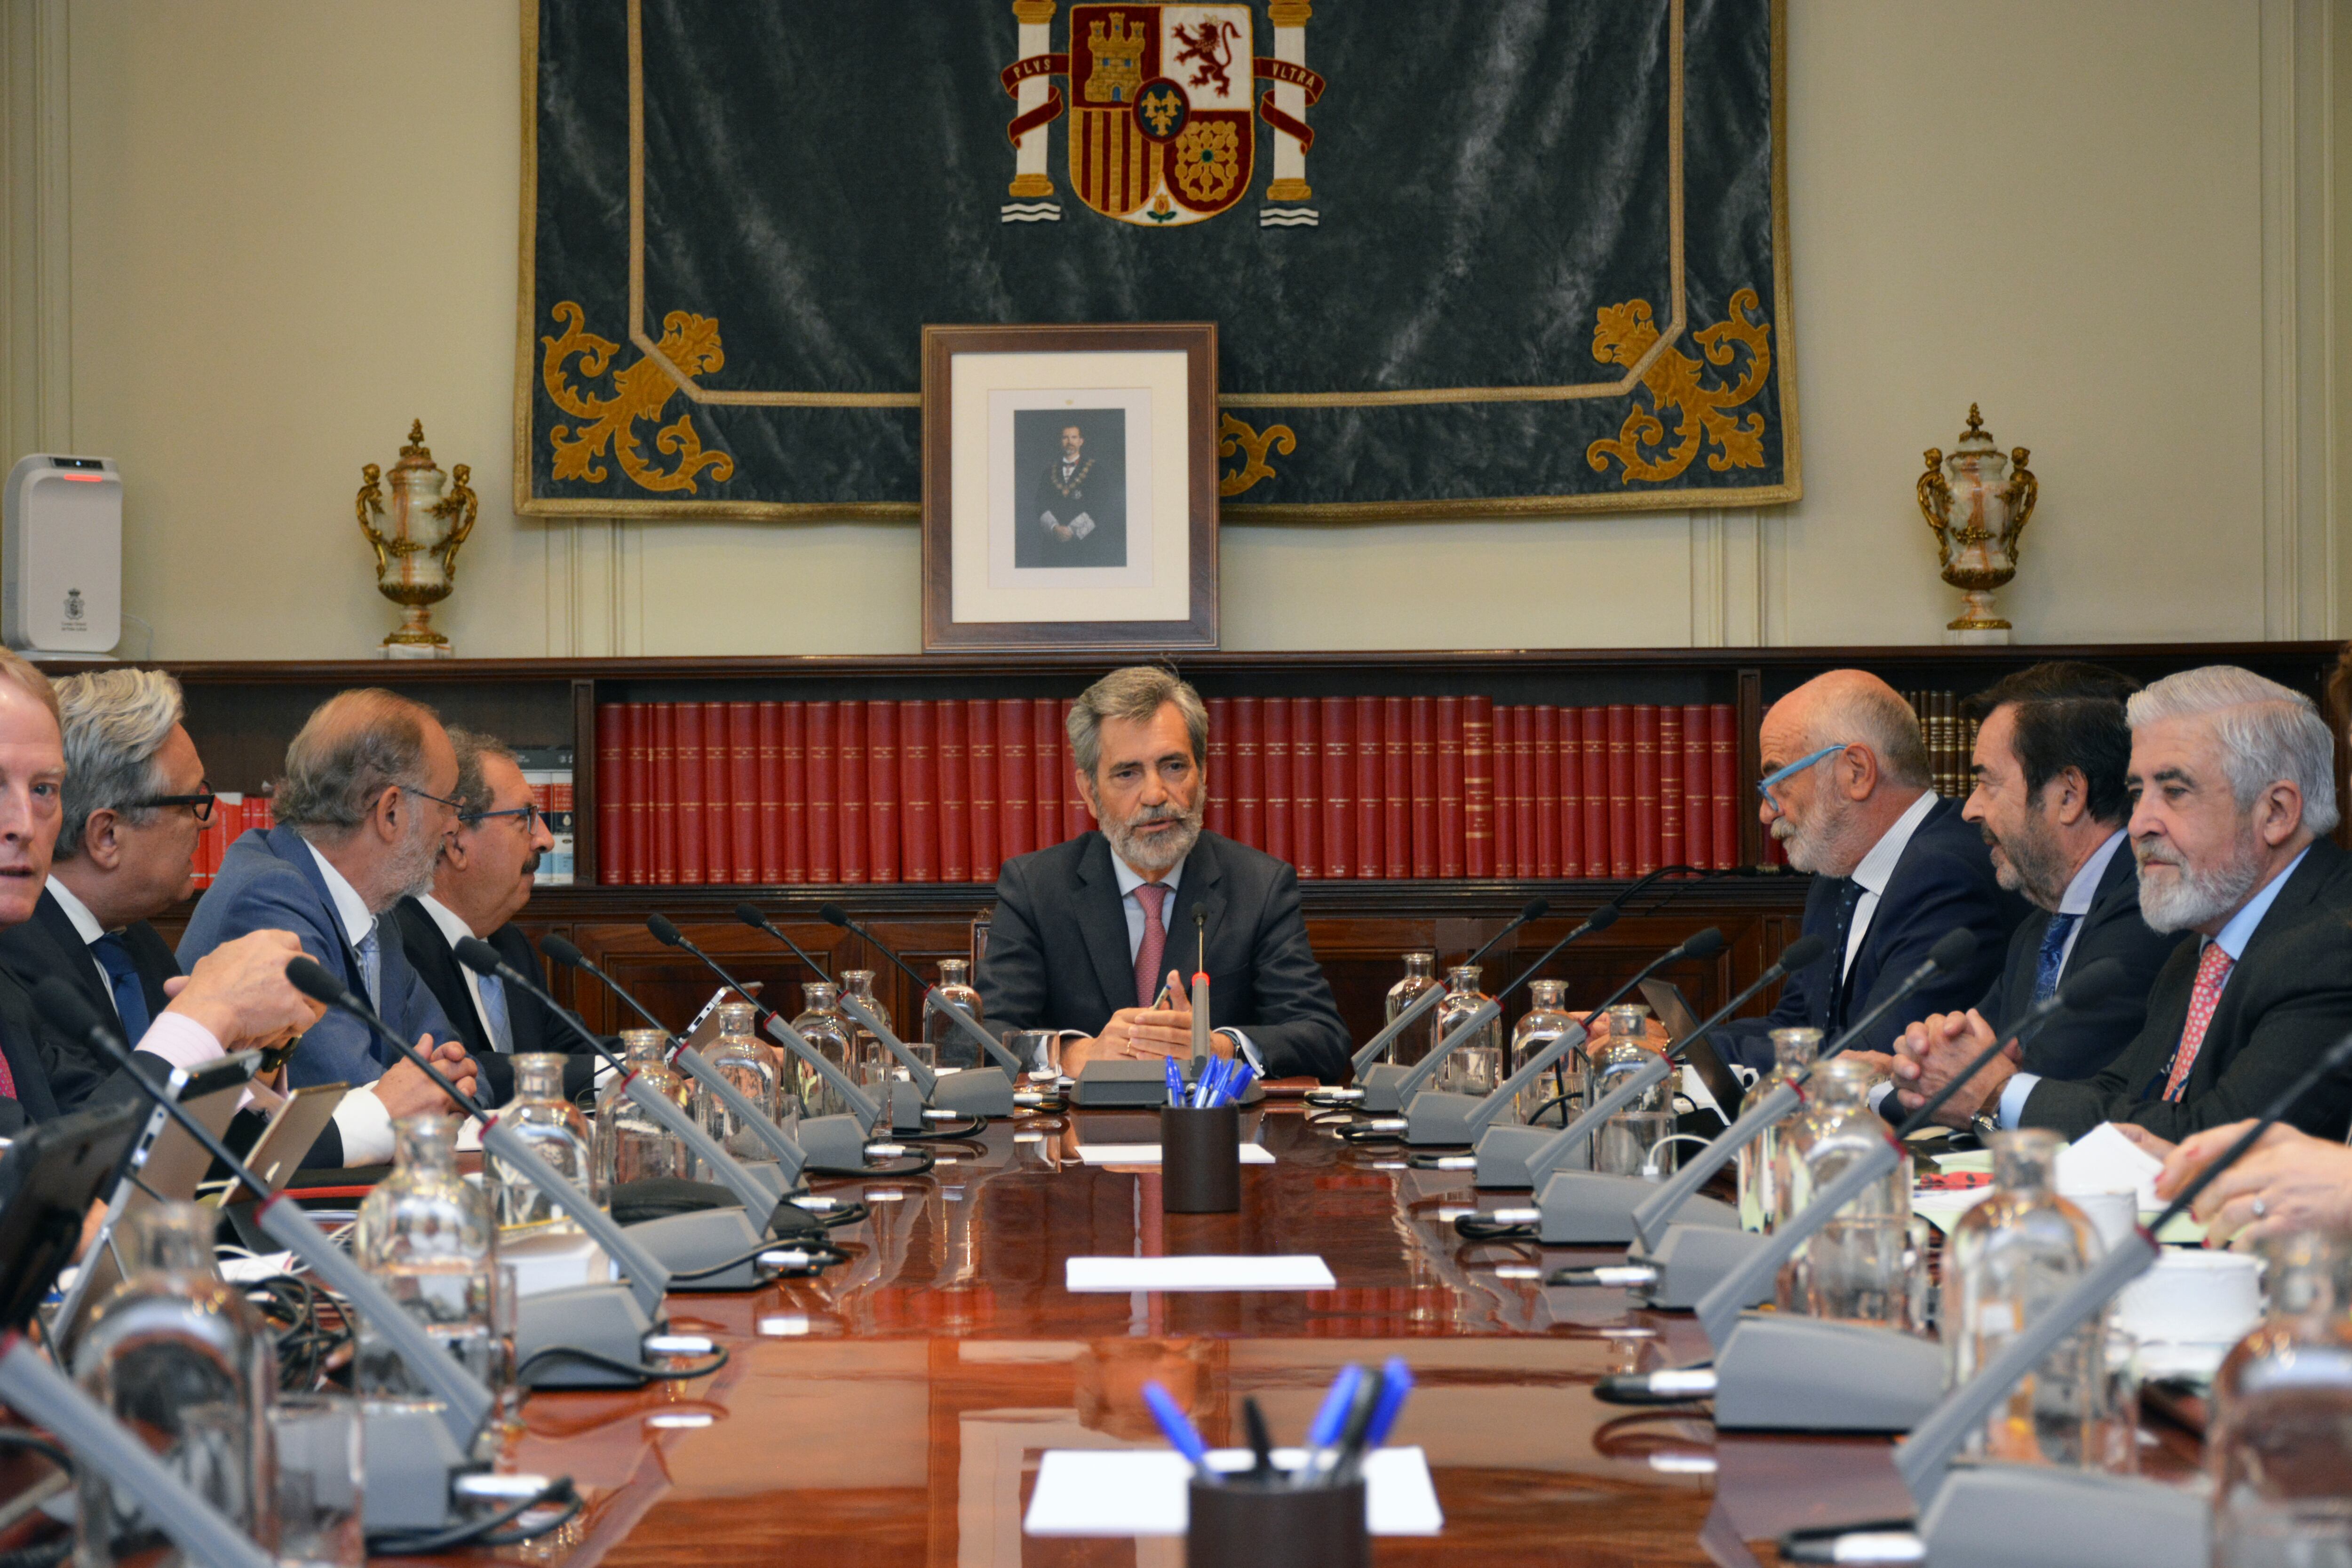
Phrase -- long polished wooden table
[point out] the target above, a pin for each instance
(894, 1409)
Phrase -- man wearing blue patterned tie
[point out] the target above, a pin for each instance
(480, 884)
(2050, 755)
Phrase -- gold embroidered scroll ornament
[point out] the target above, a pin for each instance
(640, 391)
(1235, 439)
(1675, 380)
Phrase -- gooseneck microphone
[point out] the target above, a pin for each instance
(483, 959)
(751, 916)
(465, 1402)
(992, 1047)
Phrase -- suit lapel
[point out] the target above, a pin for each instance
(1203, 888)
(1102, 920)
(2302, 890)
(49, 916)
(289, 847)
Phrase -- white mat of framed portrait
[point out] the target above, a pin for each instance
(1069, 494)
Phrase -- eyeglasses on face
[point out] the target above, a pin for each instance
(199, 803)
(1777, 776)
(457, 806)
(527, 814)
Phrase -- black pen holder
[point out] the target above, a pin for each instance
(1246, 1523)
(1200, 1159)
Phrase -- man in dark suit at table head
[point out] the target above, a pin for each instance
(480, 884)
(362, 811)
(1845, 790)
(1087, 934)
(2052, 754)
(2234, 792)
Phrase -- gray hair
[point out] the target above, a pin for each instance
(473, 795)
(1134, 694)
(114, 722)
(353, 747)
(2268, 734)
(1878, 718)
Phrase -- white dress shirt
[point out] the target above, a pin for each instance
(454, 930)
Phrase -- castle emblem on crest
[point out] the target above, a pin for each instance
(1161, 128)
(73, 604)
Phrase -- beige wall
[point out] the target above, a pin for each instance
(293, 229)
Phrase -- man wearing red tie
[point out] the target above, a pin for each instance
(2234, 792)
(1088, 933)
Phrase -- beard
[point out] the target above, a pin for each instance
(2028, 863)
(411, 866)
(2189, 897)
(1807, 844)
(1158, 851)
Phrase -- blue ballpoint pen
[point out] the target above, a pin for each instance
(1238, 1085)
(1175, 1084)
(1324, 1431)
(1178, 1429)
(1396, 1383)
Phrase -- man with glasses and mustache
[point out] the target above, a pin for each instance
(1097, 936)
(481, 883)
(362, 811)
(135, 800)
(2234, 792)
(1845, 791)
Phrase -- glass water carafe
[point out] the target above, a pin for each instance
(826, 1029)
(1633, 1141)
(1420, 978)
(1793, 1052)
(2009, 1260)
(945, 1043)
(1475, 1065)
(555, 1130)
(181, 1358)
(874, 1063)
(1546, 1021)
(1855, 1266)
(631, 1145)
(2279, 1447)
(737, 1054)
(428, 1236)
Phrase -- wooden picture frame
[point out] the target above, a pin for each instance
(1070, 486)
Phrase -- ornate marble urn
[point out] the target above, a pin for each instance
(415, 539)
(1979, 503)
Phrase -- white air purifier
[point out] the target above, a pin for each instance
(61, 558)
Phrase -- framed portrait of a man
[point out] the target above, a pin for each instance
(1069, 487)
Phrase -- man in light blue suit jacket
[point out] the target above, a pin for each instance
(363, 814)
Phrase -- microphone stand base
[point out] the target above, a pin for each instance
(410, 1460)
(1380, 1086)
(1990, 1516)
(837, 1142)
(906, 1106)
(979, 1092)
(687, 1243)
(606, 1319)
(1503, 1153)
(1440, 1118)
(1590, 1208)
(1695, 1254)
(1780, 1372)
(1120, 1086)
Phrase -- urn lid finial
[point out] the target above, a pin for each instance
(1976, 437)
(416, 448)
(416, 459)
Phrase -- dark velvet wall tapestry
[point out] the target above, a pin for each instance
(1465, 257)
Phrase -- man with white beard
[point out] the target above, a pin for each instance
(362, 812)
(2234, 792)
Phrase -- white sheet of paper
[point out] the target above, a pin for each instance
(1082, 525)
(1149, 1154)
(1141, 1492)
(1222, 1271)
(2104, 1160)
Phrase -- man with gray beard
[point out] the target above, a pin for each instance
(1096, 936)
(2234, 792)
(362, 812)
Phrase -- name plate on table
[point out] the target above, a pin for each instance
(1141, 1491)
(1220, 1271)
(1149, 1154)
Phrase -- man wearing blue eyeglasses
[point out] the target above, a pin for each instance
(1845, 791)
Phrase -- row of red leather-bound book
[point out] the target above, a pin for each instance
(1379, 787)
(232, 814)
